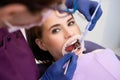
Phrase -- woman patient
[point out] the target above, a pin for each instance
(60, 35)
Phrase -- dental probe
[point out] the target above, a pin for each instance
(84, 34)
(89, 24)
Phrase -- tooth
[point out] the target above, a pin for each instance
(74, 42)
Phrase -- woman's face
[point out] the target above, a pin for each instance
(56, 31)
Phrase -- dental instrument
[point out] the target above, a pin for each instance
(89, 24)
(84, 33)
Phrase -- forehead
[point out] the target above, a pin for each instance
(13, 7)
(56, 17)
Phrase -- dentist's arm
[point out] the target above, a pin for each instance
(86, 7)
(56, 71)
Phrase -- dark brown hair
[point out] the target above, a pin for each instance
(32, 5)
(32, 34)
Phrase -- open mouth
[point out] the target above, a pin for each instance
(75, 45)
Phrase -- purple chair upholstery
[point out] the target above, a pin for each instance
(90, 46)
(16, 58)
(95, 46)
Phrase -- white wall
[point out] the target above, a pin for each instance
(106, 32)
(112, 26)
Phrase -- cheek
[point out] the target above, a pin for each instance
(76, 29)
(54, 46)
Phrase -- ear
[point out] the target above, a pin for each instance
(41, 44)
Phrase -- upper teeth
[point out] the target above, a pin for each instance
(72, 43)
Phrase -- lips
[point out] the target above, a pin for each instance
(72, 44)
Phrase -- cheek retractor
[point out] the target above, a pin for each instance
(72, 45)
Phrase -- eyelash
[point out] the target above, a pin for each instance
(56, 30)
(69, 23)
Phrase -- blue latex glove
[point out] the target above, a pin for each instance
(56, 71)
(86, 7)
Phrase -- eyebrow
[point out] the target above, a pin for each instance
(55, 25)
(70, 18)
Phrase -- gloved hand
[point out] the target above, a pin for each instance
(86, 7)
(56, 70)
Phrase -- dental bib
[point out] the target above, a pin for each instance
(98, 65)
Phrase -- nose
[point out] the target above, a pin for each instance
(68, 33)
